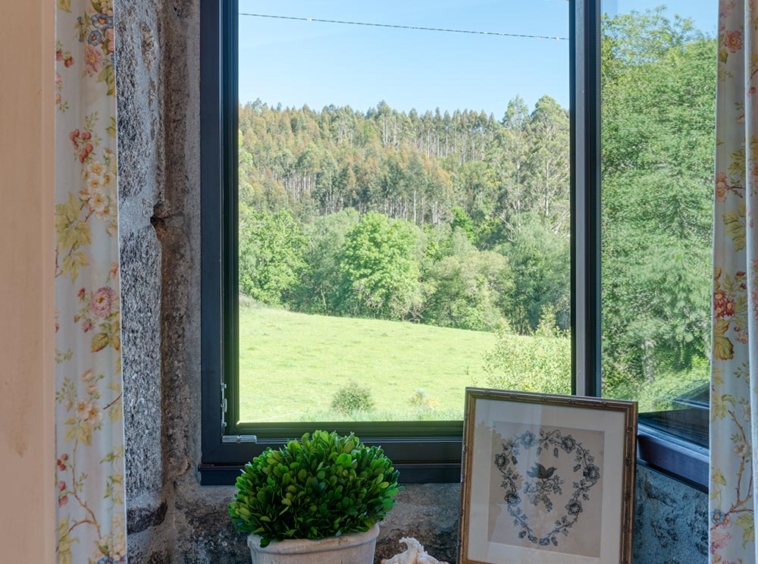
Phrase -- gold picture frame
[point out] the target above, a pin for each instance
(547, 479)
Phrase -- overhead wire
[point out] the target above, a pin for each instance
(406, 27)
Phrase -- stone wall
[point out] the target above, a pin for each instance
(171, 519)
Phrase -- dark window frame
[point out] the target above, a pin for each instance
(423, 451)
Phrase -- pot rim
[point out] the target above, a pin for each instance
(295, 546)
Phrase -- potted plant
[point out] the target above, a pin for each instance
(317, 500)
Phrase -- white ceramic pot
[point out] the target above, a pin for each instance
(355, 548)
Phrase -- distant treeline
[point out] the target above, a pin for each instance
(411, 166)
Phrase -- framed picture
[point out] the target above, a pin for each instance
(547, 479)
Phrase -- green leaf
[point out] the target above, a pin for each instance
(746, 522)
(75, 234)
(723, 349)
(718, 377)
(108, 76)
(735, 228)
(100, 341)
(309, 508)
(719, 409)
(64, 5)
(64, 542)
(115, 412)
(66, 214)
(72, 263)
(111, 129)
(737, 163)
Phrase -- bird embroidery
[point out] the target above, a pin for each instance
(540, 472)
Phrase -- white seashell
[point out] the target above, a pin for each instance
(414, 554)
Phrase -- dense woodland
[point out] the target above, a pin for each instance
(459, 218)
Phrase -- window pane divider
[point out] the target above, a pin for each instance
(585, 197)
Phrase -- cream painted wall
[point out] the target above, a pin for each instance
(27, 408)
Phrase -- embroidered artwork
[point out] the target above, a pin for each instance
(546, 488)
(546, 479)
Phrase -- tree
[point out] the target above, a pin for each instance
(659, 80)
(319, 287)
(547, 166)
(468, 291)
(379, 269)
(461, 220)
(540, 261)
(270, 254)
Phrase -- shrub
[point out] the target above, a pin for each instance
(422, 402)
(540, 363)
(351, 398)
(322, 486)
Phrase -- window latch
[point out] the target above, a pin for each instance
(239, 439)
(224, 407)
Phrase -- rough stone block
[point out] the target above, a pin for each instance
(207, 534)
(138, 89)
(141, 361)
(427, 512)
(141, 518)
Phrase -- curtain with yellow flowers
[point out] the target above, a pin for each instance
(89, 469)
(734, 383)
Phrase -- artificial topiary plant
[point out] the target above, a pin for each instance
(321, 486)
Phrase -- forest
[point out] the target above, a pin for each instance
(458, 218)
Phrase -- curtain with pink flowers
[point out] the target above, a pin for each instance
(89, 469)
(734, 379)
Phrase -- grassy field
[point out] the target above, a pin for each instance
(292, 364)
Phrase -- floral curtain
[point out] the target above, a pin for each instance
(89, 469)
(734, 379)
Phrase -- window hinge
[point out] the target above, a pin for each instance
(224, 407)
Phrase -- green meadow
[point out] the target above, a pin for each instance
(292, 365)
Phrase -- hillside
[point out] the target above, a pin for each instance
(303, 360)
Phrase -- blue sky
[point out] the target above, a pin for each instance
(296, 63)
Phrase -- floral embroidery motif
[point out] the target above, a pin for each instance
(730, 312)
(733, 41)
(64, 57)
(545, 481)
(95, 29)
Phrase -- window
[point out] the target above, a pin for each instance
(303, 210)
(400, 239)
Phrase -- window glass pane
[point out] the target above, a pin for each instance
(404, 206)
(658, 136)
